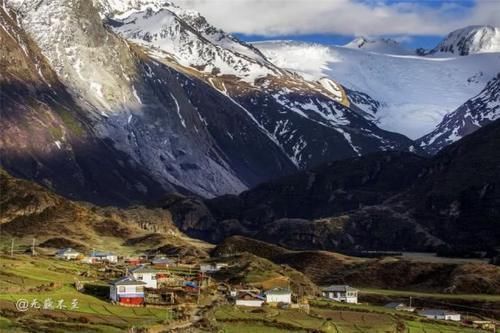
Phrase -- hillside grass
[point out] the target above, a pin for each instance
(40, 278)
(401, 293)
(330, 317)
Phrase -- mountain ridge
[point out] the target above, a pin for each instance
(385, 201)
(479, 111)
(184, 122)
(470, 40)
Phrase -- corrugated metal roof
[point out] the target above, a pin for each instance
(339, 287)
(127, 281)
(278, 291)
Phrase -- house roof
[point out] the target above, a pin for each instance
(436, 312)
(246, 295)
(101, 254)
(144, 269)
(68, 250)
(339, 287)
(127, 281)
(163, 261)
(278, 291)
(394, 305)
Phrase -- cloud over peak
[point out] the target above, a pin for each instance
(345, 17)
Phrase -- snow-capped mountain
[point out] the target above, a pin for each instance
(472, 115)
(470, 40)
(285, 106)
(379, 45)
(198, 46)
(405, 94)
(164, 103)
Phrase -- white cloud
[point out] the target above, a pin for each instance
(345, 17)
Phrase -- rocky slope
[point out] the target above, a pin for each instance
(46, 135)
(470, 40)
(386, 201)
(473, 114)
(457, 196)
(325, 268)
(163, 103)
(31, 211)
(312, 121)
(139, 109)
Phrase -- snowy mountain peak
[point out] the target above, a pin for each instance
(470, 40)
(379, 45)
(477, 112)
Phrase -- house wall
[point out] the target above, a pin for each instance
(455, 317)
(249, 302)
(273, 298)
(148, 278)
(341, 297)
(112, 259)
(113, 294)
(132, 300)
(130, 291)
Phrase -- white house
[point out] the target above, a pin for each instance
(127, 291)
(102, 257)
(440, 314)
(212, 267)
(399, 307)
(246, 298)
(163, 261)
(340, 293)
(146, 275)
(68, 254)
(279, 295)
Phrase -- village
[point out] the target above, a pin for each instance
(156, 280)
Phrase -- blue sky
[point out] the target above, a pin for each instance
(415, 23)
(411, 42)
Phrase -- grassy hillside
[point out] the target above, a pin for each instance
(30, 211)
(324, 268)
(40, 278)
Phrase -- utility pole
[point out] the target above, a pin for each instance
(199, 289)
(12, 248)
(33, 247)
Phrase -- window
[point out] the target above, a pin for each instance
(139, 277)
(121, 289)
(139, 289)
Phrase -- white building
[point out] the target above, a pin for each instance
(341, 293)
(399, 307)
(212, 267)
(146, 275)
(127, 291)
(279, 295)
(68, 254)
(440, 314)
(102, 257)
(249, 299)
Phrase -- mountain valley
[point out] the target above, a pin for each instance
(187, 117)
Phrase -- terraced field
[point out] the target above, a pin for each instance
(39, 280)
(337, 319)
